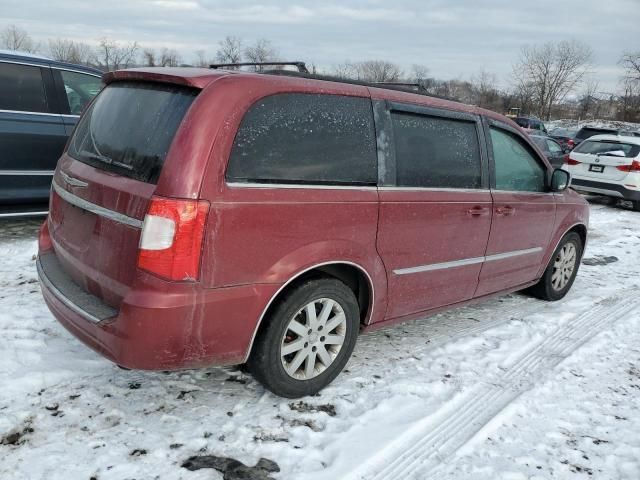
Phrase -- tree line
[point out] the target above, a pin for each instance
(550, 80)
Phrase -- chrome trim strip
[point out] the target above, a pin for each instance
(298, 186)
(24, 214)
(56, 67)
(58, 294)
(465, 261)
(27, 172)
(284, 285)
(28, 64)
(515, 253)
(433, 189)
(21, 112)
(73, 181)
(439, 266)
(93, 208)
(69, 116)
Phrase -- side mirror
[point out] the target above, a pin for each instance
(560, 180)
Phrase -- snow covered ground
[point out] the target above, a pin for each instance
(514, 388)
(578, 124)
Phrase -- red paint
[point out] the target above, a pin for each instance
(257, 239)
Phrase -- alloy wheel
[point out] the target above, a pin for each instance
(313, 338)
(563, 266)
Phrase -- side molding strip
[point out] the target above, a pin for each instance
(466, 261)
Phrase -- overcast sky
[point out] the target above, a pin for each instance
(453, 38)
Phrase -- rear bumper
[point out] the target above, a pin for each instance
(603, 188)
(159, 325)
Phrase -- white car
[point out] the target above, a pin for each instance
(607, 165)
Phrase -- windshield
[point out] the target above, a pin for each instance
(129, 128)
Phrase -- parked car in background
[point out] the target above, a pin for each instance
(531, 123)
(564, 136)
(40, 103)
(587, 132)
(607, 165)
(202, 217)
(551, 149)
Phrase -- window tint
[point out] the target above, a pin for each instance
(80, 89)
(21, 88)
(516, 167)
(436, 152)
(129, 128)
(305, 138)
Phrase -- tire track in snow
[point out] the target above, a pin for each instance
(421, 451)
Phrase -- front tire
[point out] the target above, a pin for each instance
(307, 338)
(561, 271)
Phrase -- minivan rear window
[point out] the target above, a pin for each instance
(602, 147)
(308, 139)
(129, 128)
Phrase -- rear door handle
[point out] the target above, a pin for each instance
(478, 211)
(505, 211)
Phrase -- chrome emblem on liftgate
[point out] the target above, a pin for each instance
(74, 182)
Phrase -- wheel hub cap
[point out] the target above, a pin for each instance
(563, 266)
(313, 338)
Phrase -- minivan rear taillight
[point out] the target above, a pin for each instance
(634, 167)
(171, 239)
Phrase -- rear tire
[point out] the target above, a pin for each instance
(636, 205)
(561, 271)
(307, 338)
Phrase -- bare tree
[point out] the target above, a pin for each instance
(110, 55)
(485, 90)
(16, 38)
(201, 59)
(631, 64)
(588, 101)
(70, 51)
(165, 58)
(369, 71)
(230, 50)
(261, 51)
(552, 70)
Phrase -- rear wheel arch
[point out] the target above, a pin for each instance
(351, 274)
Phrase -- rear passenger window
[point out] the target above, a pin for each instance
(436, 152)
(22, 88)
(516, 167)
(306, 138)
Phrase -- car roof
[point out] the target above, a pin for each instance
(615, 138)
(40, 60)
(202, 77)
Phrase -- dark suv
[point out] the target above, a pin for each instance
(40, 103)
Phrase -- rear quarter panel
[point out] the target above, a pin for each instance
(271, 234)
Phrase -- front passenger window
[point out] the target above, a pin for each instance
(516, 167)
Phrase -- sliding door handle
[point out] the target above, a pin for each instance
(478, 211)
(505, 211)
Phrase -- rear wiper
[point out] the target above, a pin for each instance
(103, 159)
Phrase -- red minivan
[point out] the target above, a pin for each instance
(203, 217)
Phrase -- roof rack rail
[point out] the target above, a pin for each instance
(417, 87)
(398, 86)
(301, 66)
